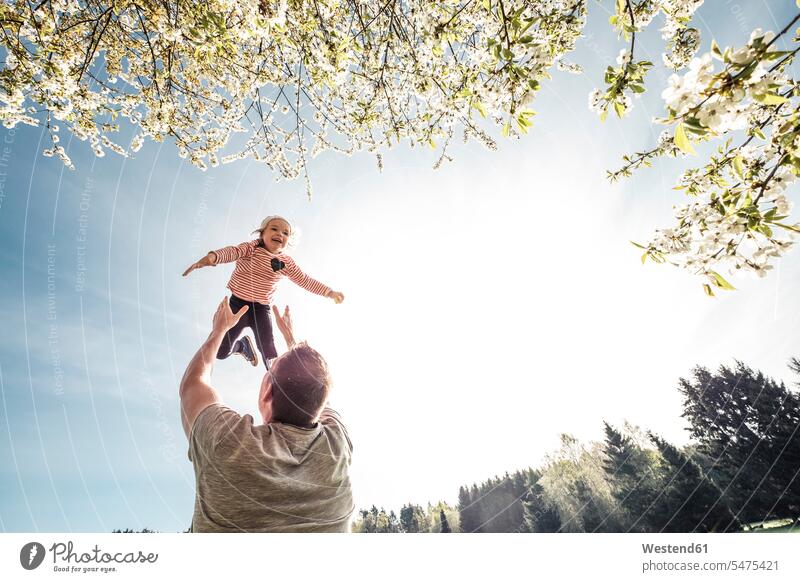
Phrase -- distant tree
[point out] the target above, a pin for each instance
(540, 516)
(495, 505)
(467, 510)
(434, 516)
(392, 523)
(747, 424)
(376, 520)
(689, 501)
(412, 519)
(634, 477)
(477, 513)
(445, 527)
(574, 484)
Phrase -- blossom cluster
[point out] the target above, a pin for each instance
(737, 218)
(632, 17)
(281, 81)
(278, 81)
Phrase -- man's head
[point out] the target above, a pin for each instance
(295, 389)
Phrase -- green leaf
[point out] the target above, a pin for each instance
(706, 286)
(770, 99)
(480, 107)
(792, 227)
(720, 281)
(738, 166)
(682, 141)
(765, 230)
(506, 129)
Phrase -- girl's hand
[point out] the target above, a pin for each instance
(209, 260)
(337, 296)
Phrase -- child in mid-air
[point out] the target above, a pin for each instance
(260, 264)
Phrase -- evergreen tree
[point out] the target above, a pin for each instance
(445, 527)
(434, 516)
(747, 424)
(412, 519)
(392, 523)
(496, 505)
(377, 521)
(540, 516)
(690, 502)
(467, 510)
(477, 509)
(591, 514)
(634, 481)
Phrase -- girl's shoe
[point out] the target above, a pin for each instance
(244, 347)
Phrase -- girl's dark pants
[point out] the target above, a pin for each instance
(259, 320)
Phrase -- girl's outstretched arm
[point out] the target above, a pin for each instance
(234, 253)
(209, 260)
(224, 255)
(300, 278)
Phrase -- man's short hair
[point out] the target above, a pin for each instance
(300, 386)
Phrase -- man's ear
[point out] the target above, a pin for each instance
(265, 398)
(265, 392)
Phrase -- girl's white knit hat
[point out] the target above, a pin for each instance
(267, 220)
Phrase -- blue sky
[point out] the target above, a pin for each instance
(491, 304)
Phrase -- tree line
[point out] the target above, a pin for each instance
(741, 467)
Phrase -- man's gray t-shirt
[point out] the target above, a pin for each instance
(270, 478)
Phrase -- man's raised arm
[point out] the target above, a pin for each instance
(196, 392)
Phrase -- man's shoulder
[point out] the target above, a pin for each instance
(215, 412)
(332, 421)
(329, 415)
(215, 423)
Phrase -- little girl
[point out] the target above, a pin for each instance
(260, 264)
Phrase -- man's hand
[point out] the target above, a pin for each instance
(208, 261)
(337, 296)
(284, 323)
(224, 318)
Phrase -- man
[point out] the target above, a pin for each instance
(289, 474)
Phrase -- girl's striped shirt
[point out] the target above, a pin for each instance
(254, 279)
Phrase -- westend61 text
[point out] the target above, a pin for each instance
(97, 556)
(673, 549)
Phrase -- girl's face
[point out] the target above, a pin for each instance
(276, 235)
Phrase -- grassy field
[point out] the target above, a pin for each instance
(777, 526)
